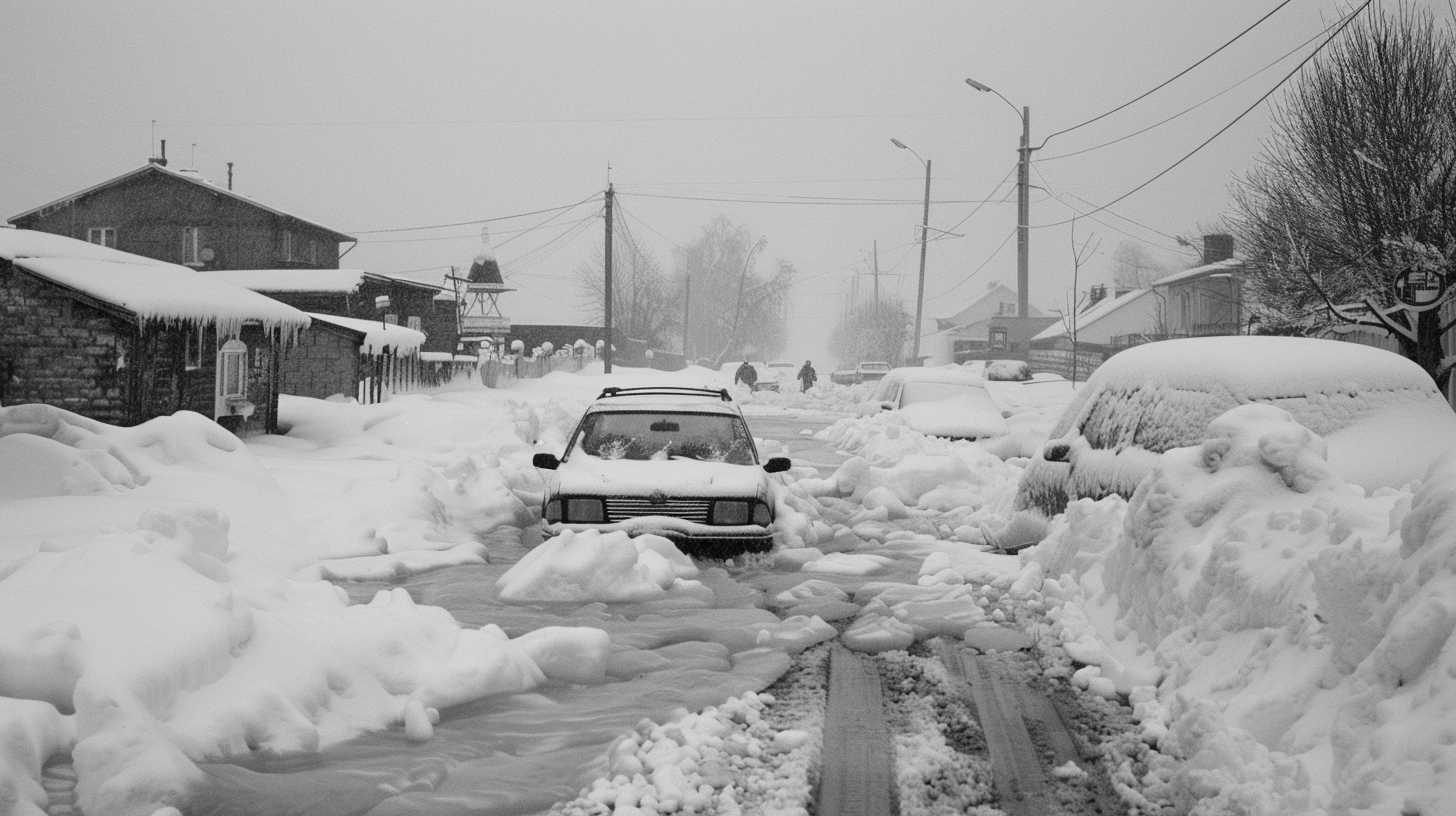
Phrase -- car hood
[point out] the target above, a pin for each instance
(955, 417)
(676, 477)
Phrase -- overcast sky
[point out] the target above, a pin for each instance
(371, 116)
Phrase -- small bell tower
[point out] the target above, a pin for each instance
(480, 314)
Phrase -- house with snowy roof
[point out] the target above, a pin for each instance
(1204, 300)
(122, 338)
(983, 329)
(413, 304)
(181, 217)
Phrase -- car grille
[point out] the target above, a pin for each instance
(621, 508)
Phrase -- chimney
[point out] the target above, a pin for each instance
(1096, 295)
(160, 161)
(230, 175)
(1217, 247)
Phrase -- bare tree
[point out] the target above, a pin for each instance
(871, 332)
(733, 312)
(1075, 299)
(1349, 215)
(644, 301)
(1134, 267)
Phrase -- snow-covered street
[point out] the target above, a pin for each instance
(359, 615)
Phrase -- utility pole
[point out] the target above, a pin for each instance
(920, 287)
(877, 278)
(1023, 215)
(607, 255)
(687, 299)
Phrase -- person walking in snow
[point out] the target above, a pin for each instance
(745, 374)
(807, 376)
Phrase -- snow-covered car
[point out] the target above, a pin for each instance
(948, 402)
(677, 462)
(869, 371)
(1381, 417)
(775, 376)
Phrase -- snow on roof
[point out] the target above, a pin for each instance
(1207, 270)
(1088, 318)
(377, 334)
(293, 280)
(149, 289)
(191, 176)
(1262, 366)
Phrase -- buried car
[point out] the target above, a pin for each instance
(947, 402)
(673, 461)
(1381, 417)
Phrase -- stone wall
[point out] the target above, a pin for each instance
(56, 350)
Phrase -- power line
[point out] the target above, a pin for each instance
(1222, 130)
(809, 200)
(1060, 200)
(973, 272)
(572, 230)
(1165, 83)
(1193, 107)
(476, 220)
(555, 120)
(990, 197)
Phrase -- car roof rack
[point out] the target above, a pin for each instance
(666, 390)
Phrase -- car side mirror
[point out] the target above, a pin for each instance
(776, 464)
(1056, 451)
(546, 461)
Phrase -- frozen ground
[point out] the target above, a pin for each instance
(1283, 636)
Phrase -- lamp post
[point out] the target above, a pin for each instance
(1023, 199)
(924, 226)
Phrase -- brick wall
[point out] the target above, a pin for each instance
(324, 362)
(56, 350)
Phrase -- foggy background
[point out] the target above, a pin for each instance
(372, 117)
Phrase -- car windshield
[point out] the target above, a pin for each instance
(665, 434)
(918, 392)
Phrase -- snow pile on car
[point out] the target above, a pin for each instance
(1285, 635)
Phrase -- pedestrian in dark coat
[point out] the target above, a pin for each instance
(746, 374)
(807, 376)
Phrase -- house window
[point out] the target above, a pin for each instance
(413, 322)
(392, 319)
(312, 251)
(192, 353)
(285, 245)
(191, 236)
(232, 370)
(105, 236)
(999, 340)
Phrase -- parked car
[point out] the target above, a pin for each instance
(677, 462)
(869, 371)
(1380, 414)
(844, 376)
(947, 402)
(776, 376)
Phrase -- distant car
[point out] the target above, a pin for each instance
(1380, 414)
(844, 376)
(677, 462)
(775, 376)
(947, 402)
(870, 371)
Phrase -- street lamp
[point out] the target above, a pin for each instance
(924, 226)
(1023, 198)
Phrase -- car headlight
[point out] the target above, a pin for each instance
(761, 514)
(585, 511)
(552, 512)
(730, 512)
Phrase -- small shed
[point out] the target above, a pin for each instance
(369, 358)
(122, 338)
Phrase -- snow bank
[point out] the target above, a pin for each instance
(595, 566)
(1284, 635)
(143, 586)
